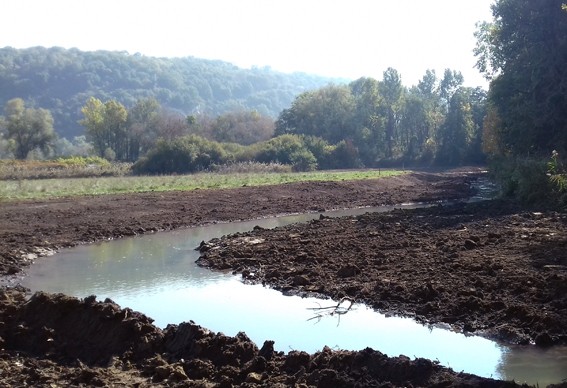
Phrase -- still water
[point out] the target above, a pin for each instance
(156, 274)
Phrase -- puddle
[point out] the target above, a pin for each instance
(156, 274)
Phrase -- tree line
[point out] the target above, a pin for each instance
(524, 54)
(122, 134)
(523, 51)
(366, 123)
(439, 120)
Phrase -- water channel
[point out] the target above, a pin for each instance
(156, 274)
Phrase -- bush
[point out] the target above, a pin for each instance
(558, 177)
(286, 149)
(180, 156)
(83, 161)
(72, 167)
(524, 179)
(303, 160)
(321, 150)
(345, 155)
(251, 167)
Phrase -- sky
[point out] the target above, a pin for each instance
(336, 38)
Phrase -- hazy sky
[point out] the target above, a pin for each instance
(339, 38)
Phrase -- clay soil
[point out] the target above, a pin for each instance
(490, 268)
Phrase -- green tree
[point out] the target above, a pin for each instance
(143, 126)
(321, 150)
(105, 125)
(27, 129)
(415, 125)
(392, 91)
(457, 132)
(148, 122)
(424, 112)
(524, 51)
(421, 117)
(428, 84)
(479, 110)
(96, 132)
(242, 127)
(326, 113)
(115, 121)
(450, 83)
(368, 122)
(345, 155)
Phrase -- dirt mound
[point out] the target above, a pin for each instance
(482, 267)
(77, 329)
(85, 342)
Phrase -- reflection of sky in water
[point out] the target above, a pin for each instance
(230, 306)
(156, 274)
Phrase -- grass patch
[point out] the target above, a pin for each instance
(22, 189)
(73, 167)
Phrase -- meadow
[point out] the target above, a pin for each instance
(37, 181)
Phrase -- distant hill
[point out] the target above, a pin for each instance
(62, 80)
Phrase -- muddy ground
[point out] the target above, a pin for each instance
(487, 268)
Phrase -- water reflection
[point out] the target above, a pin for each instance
(156, 274)
(519, 362)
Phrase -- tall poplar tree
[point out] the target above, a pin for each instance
(392, 91)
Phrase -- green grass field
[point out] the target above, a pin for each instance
(11, 190)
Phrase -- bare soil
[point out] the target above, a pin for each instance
(488, 268)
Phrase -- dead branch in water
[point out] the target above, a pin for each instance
(337, 310)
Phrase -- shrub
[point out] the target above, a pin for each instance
(83, 161)
(71, 167)
(558, 177)
(321, 150)
(251, 167)
(286, 149)
(524, 179)
(182, 155)
(303, 160)
(345, 155)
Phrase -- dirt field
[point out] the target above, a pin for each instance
(487, 268)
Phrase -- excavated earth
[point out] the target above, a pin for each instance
(490, 268)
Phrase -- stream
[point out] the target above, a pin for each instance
(156, 274)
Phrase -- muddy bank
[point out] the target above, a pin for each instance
(58, 340)
(484, 268)
(30, 229)
(54, 340)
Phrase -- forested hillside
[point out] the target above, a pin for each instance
(62, 81)
(363, 123)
